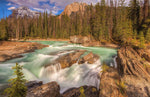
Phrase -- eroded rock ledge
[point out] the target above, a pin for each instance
(10, 50)
(132, 69)
(132, 74)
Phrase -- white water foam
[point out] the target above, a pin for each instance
(74, 76)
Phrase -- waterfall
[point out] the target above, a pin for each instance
(75, 76)
(115, 63)
(50, 71)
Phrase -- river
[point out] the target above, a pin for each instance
(74, 76)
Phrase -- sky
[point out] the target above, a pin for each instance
(54, 6)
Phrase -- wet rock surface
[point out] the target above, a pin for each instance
(52, 89)
(89, 91)
(69, 59)
(47, 90)
(89, 58)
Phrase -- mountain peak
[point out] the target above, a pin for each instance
(25, 11)
(74, 7)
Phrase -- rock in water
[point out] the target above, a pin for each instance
(89, 58)
(89, 91)
(68, 60)
(47, 90)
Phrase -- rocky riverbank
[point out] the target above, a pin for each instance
(36, 89)
(10, 50)
(131, 79)
(90, 42)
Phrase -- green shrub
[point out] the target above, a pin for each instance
(82, 92)
(105, 67)
(122, 87)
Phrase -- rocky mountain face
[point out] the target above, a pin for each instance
(73, 8)
(25, 11)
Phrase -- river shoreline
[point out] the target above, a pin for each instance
(12, 49)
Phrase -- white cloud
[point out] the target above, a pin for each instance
(38, 9)
(9, 4)
(11, 8)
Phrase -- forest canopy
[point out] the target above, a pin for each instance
(110, 22)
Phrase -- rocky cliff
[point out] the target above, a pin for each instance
(73, 8)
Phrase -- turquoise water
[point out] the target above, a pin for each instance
(34, 65)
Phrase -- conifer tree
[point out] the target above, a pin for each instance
(17, 84)
(148, 35)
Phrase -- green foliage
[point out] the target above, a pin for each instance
(142, 40)
(3, 30)
(122, 87)
(94, 90)
(105, 67)
(82, 92)
(148, 35)
(17, 84)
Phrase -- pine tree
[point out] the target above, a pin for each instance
(17, 85)
(134, 14)
(148, 35)
(142, 40)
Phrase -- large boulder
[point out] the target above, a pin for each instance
(89, 58)
(69, 59)
(33, 84)
(88, 91)
(47, 90)
(110, 84)
(79, 39)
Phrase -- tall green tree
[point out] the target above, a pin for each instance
(17, 84)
